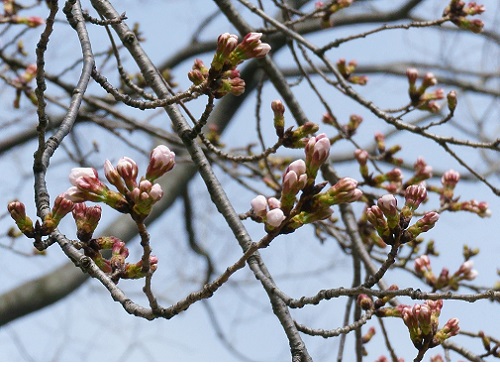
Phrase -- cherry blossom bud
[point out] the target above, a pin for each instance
(226, 43)
(196, 77)
(259, 205)
(279, 119)
(317, 151)
(17, 211)
(87, 180)
(114, 177)
(424, 224)
(368, 336)
(452, 100)
(273, 203)
(249, 47)
(412, 75)
(361, 156)
(365, 302)
(388, 204)
(128, 170)
(86, 219)
(62, 206)
(161, 160)
(422, 265)
(376, 218)
(450, 178)
(275, 217)
(414, 196)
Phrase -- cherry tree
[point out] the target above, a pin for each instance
(335, 162)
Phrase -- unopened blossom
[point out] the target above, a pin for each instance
(86, 219)
(422, 265)
(424, 224)
(295, 178)
(299, 135)
(353, 124)
(365, 302)
(368, 336)
(161, 160)
(450, 179)
(466, 271)
(144, 196)
(480, 208)
(136, 271)
(259, 205)
(61, 207)
(317, 151)
(273, 203)
(279, 118)
(388, 204)
(128, 170)
(250, 47)
(361, 156)
(344, 191)
(229, 82)
(451, 328)
(451, 97)
(114, 177)
(17, 211)
(376, 217)
(86, 179)
(414, 196)
(226, 43)
(275, 217)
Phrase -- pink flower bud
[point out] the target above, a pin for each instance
(259, 205)
(87, 181)
(415, 195)
(450, 179)
(114, 177)
(128, 170)
(273, 203)
(361, 156)
(317, 151)
(388, 204)
(161, 160)
(275, 217)
(412, 75)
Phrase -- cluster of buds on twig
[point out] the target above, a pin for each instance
(10, 16)
(458, 13)
(222, 77)
(449, 180)
(346, 70)
(116, 266)
(444, 281)
(332, 7)
(21, 83)
(422, 321)
(299, 179)
(136, 198)
(37, 230)
(423, 99)
(392, 224)
(422, 172)
(267, 211)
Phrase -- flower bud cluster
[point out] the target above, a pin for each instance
(346, 70)
(222, 77)
(420, 97)
(392, 224)
(444, 281)
(116, 266)
(268, 211)
(422, 172)
(136, 198)
(459, 13)
(299, 178)
(422, 321)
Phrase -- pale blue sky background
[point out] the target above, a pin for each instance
(89, 326)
